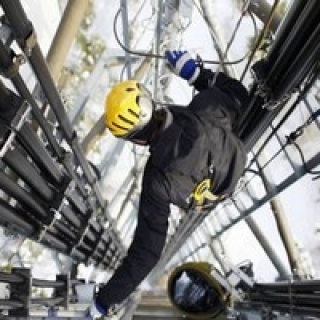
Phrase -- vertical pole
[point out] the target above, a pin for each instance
(65, 34)
(125, 23)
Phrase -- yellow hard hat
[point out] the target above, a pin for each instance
(128, 108)
(195, 293)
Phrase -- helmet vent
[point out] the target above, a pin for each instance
(130, 89)
(119, 127)
(126, 120)
(133, 113)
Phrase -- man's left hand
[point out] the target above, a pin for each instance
(183, 65)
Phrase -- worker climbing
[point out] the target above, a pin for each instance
(196, 160)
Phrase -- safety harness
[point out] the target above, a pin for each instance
(202, 197)
(195, 174)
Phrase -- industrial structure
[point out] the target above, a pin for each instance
(52, 192)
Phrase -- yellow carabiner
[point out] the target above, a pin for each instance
(200, 191)
(203, 192)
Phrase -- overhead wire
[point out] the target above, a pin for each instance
(137, 53)
(222, 61)
(145, 23)
(158, 56)
(236, 28)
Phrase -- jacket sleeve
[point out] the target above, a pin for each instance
(230, 86)
(148, 241)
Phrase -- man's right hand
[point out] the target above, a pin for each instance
(86, 293)
(93, 312)
(183, 65)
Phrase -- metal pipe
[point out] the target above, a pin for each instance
(30, 141)
(285, 26)
(261, 8)
(260, 38)
(22, 29)
(93, 134)
(11, 71)
(71, 216)
(65, 35)
(52, 301)
(301, 65)
(282, 224)
(12, 189)
(51, 241)
(10, 304)
(47, 283)
(65, 232)
(297, 37)
(125, 22)
(274, 258)
(300, 299)
(295, 286)
(28, 173)
(294, 311)
(77, 203)
(42, 72)
(10, 277)
(311, 164)
(15, 220)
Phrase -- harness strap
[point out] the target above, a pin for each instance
(202, 196)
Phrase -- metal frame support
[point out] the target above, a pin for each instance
(64, 290)
(21, 291)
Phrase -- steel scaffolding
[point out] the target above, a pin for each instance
(52, 193)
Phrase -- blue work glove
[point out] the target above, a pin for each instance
(86, 294)
(183, 65)
(94, 311)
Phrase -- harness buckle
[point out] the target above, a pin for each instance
(202, 194)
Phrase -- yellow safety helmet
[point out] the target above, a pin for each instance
(195, 293)
(128, 108)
